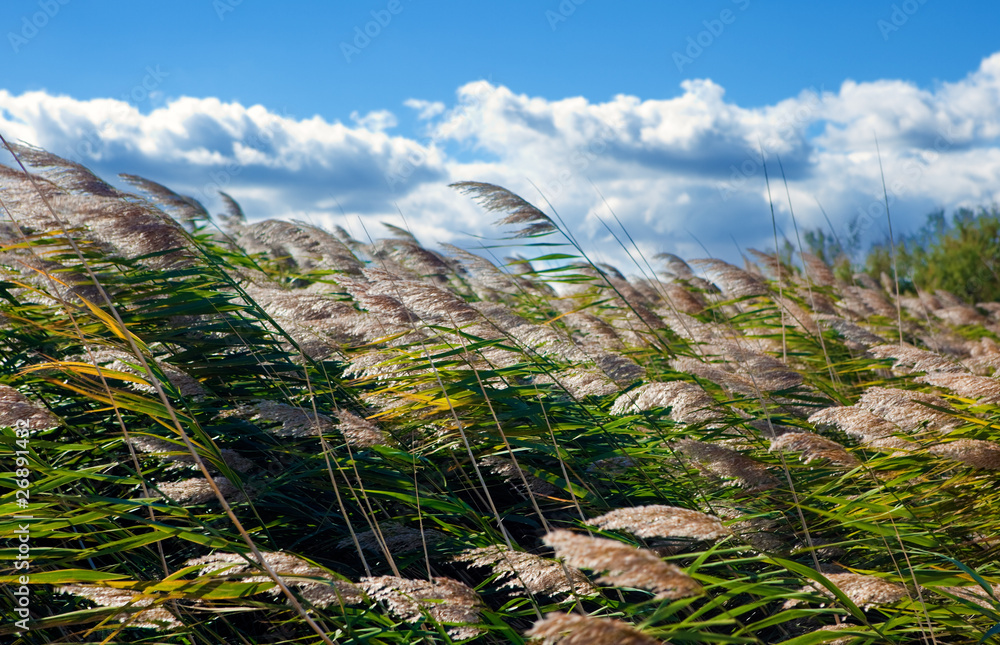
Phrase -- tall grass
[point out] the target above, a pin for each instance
(269, 433)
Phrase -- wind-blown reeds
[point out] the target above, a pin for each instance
(622, 565)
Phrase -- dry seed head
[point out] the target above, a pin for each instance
(359, 432)
(768, 373)
(497, 199)
(818, 270)
(863, 591)
(444, 599)
(854, 421)
(515, 476)
(797, 315)
(294, 421)
(178, 452)
(688, 403)
(429, 302)
(324, 592)
(912, 359)
(131, 227)
(856, 336)
(184, 208)
(620, 369)
(522, 570)
(307, 247)
(198, 491)
(974, 453)
(982, 388)
(813, 447)
(710, 372)
(960, 315)
(691, 328)
(973, 593)
(907, 409)
(734, 282)
(593, 333)
(16, 408)
(625, 566)
(727, 463)
(127, 363)
(574, 629)
(580, 382)
(657, 520)
(487, 279)
(422, 263)
(769, 263)
(682, 300)
(153, 618)
(398, 538)
(675, 265)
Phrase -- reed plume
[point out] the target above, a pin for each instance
(574, 629)
(623, 565)
(533, 573)
(975, 453)
(728, 464)
(864, 591)
(657, 520)
(443, 599)
(500, 200)
(814, 447)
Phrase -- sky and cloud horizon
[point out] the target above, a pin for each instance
(680, 168)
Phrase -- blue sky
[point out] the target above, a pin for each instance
(656, 103)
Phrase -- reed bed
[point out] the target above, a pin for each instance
(237, 432)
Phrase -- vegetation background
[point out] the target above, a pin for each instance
(227, 431)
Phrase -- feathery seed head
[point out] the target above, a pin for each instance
(152, 617)
(974, 453)
(912, 359)
(398, 538)
(519, 211)
(656, 520)
(813, 447)
(198, 491)
(623, 565)
(985, 389)
(522, 570)
(907, 409)
(734, 282)
(16, 408)
(444, 599)
(728, 464)
(574, 629)
(864, 591)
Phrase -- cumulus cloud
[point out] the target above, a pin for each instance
(276, 161)
(425, 109)
(680, 173)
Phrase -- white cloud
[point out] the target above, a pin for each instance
(678, 172)
(425, 109)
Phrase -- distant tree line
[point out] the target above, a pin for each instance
(960, 254)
